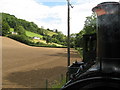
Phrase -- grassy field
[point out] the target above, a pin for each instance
(11, 30)
(44, 42)
(31, 34)
(51, 33)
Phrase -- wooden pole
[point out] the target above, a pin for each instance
(68, 25)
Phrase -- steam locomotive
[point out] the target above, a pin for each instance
(100, 68)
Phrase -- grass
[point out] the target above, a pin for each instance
(31, 34)
(57, 44)
(44, 42)
(36, 40)
(11, 30)
(51, 33)
(59, 85)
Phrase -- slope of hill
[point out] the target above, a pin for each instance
(25, 29)
(34, 42)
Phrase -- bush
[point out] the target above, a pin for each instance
(21, 38)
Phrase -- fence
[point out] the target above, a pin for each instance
(56, 83)
(46, 83)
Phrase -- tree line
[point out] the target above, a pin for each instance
(89, 28)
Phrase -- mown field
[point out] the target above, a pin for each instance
(25, 66)
(31, 34)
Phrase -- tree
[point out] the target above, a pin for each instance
(90, 24)
(40, 31)
(72, 40)
(56, 30)
(89, 28)
(60, 37)
(55, 40)
(48, 39)
(5, 28)
(20, 30)
(79, 38)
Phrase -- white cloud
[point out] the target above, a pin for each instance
(54, 17)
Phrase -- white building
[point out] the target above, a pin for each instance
(36, 38)
(15, 33)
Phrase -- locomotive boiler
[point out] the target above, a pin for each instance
(100, 68)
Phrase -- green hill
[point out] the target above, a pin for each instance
(24, 31)
(43, 42)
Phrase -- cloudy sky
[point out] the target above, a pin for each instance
(51, 14)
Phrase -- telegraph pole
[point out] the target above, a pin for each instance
(68, 25)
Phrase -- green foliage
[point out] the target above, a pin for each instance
(59, 38)
(90, 24)
(10, 19)
(40, 31)
(55, 40)
(48, 39)
(20, 30)
(30, 29)
(13, 22)
(59, 85)
(79, 39)
(21, 38)
(80, 50)
(72, 40)
(89, 28)
(50, 33)
(5, 28)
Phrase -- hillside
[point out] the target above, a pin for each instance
(25, 31)
(34, 42)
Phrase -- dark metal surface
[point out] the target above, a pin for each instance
(89, 48)
(94, 83)
(108, 37)
(108, 31)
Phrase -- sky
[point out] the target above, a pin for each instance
(51, 14)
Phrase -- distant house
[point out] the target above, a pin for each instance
(15, 33)
(36, 38)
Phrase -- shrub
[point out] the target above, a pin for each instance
(21, 38)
